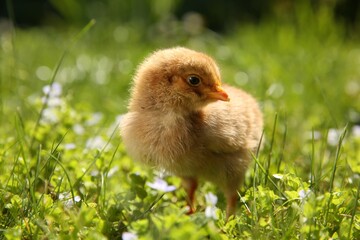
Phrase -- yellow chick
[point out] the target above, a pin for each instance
(183, 120)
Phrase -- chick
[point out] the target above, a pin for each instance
(183, 120)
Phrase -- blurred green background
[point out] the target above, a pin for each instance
(299, 58)
(218, 16)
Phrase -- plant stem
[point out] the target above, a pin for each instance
(271, 148)
(332, 178)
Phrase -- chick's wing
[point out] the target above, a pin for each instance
(232, 126)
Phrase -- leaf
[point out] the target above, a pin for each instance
(292, 194)
(263, 222)
(136, 179)
(140, 192)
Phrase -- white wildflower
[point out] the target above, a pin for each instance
(113, 170)
(211, 199)
(161, 185)
(94, 119)
(210, 210)
(333, 136)
(52, 102)
(67, 199)
(95, 143)
(115, 125)
(304, 194)
(356, 131)
(53, 90)
(50, 115)
(79, 129)
(313, 135)
(278, 175)
(70, 146)
(95, 173)
(129, 236)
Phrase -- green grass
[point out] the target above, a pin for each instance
(64, 171)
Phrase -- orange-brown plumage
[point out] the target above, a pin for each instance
(183, 120)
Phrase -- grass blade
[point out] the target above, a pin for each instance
(268, 177)
(54, 74)
(354, 211)
(281, 156)
(332, 178)
(97, 156)
(271, 149)
(312, 164)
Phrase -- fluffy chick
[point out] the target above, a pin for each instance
(181, 119)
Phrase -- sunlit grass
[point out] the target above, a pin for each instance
(64, 171)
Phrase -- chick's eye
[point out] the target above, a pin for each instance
(193, 80)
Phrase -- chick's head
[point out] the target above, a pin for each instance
(176, 78)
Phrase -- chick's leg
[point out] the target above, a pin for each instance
(231, 200)
(190, 184)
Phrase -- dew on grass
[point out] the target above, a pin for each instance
(100, 77)
(6, 42)
(43, 73)
(193, 23)
(298, 88)
(84, 63)
(223, 52)
(275, 90)
(352, 88)
(104, 66)
(241, 78)
(125, 66)
(255, 72)
(354, 115)
(121, 34)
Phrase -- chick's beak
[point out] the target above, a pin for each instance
(218, 94)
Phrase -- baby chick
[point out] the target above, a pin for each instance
(183, 120)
